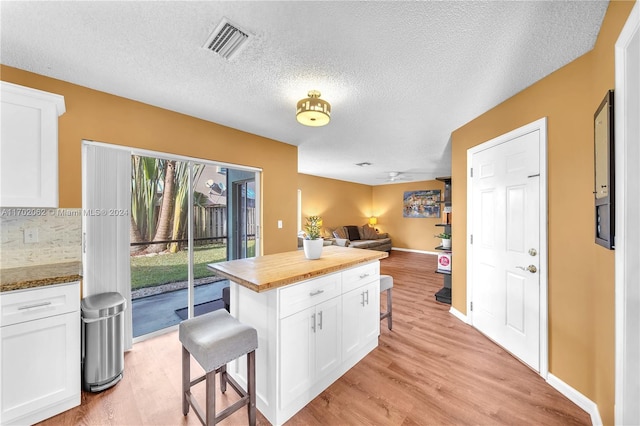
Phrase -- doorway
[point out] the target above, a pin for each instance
(507, 245)
(183, 218)
(627, 238)
(242, 245)
(170, 222)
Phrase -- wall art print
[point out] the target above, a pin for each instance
(421, 204)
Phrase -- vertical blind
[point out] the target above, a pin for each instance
(106, 202)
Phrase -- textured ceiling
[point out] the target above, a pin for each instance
(400, 76)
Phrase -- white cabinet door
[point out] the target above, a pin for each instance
(40, 367)
(296, 355)
(29, 147)
(360, 317)
(310, 348)
(370, 313)
(327, 342)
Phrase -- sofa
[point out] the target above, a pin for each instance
(364, 237)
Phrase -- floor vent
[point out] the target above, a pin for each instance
(227, 39)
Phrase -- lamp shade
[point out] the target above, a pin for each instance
(313, 111)
(373, 221)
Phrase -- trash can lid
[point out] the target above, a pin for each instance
(103, 305)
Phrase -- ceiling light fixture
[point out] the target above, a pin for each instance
(313, 111)
(365, 164)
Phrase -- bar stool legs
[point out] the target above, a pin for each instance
(213, 340)
(386, 284)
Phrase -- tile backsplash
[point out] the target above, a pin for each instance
(58, 233)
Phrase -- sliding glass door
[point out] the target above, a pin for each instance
(244, 226)
(185, 216)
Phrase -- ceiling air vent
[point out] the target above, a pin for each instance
(227, 39)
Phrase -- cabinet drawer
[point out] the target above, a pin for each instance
(297, 297)
(360, 275)
(27, 305)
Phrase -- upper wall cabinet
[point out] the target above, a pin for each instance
(29, 147)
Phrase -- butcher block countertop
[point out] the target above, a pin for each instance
(39, 275)
(265, 273)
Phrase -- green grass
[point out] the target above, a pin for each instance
(149, 271)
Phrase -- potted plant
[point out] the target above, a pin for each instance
(312, 242)
(446, 240)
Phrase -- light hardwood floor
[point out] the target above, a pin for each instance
(432, 369)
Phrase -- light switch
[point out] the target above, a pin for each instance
(279, 224)
(30, 235)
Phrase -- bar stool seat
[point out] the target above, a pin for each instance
(386, 284)
(214, 339)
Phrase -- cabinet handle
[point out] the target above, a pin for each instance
(367, 292)
(315, 293)
(362, 294)
(365, 275)
(320, 320)
(37, 305)
(313, 322)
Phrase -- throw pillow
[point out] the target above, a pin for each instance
(352, 233)
(340, 232)
(369, 233)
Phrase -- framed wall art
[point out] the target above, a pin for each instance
(421, 204)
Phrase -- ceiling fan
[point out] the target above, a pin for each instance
(395, 177)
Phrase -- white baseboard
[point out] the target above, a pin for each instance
(456, 313)
(413, 251)
(577, 398)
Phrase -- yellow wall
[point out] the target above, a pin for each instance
(581, 273)
(408, 233)
(111, 119)
(339, 203)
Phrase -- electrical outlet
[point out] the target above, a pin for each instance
(31, 235)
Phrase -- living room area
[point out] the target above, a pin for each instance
(342, 203)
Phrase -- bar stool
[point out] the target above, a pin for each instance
(386, 284)
(214, 339)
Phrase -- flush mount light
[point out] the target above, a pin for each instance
(365, 164)
(313, 111)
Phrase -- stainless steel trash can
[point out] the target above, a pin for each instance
(102, 340)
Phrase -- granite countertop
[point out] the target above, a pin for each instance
(265, 273)
(39, 275)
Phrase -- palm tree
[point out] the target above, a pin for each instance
(163, 230)
(182, 198)
(146, 175)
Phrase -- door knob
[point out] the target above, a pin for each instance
(530, 268)
(533, 252)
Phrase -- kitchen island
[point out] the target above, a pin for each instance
(315, 320)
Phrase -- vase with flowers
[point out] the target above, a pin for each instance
(312, 243)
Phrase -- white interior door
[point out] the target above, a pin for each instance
(505, 262)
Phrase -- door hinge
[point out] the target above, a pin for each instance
(471, 306)
(471, 238)
(471, 172)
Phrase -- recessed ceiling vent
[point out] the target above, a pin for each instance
(227, 39)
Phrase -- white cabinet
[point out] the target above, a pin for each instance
(40, 346)
(360, 307)
(29, 146)
(309, 348)
(360, 317)
(302, 330)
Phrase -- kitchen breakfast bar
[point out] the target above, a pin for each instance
(315, 320)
